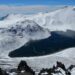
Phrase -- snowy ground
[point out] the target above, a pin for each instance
(37, 63)
(65, 21)
(66, 56)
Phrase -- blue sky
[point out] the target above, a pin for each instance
(37, 2)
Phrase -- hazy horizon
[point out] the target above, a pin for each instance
(31, 6)
(24, 9)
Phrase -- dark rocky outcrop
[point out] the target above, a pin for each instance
(24, 69)
(2, 72)
(23, 66)
(54, 69)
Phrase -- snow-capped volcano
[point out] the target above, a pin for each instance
(19, 34)
(29, 29)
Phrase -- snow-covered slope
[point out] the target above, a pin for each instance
(68, 53)
(16, 30)
(61, 19)
(37, 63)
(10, 19)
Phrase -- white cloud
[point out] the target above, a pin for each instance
(32, 7)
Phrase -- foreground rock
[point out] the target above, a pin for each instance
(2, 72)
(24, 69)
(59, 69)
